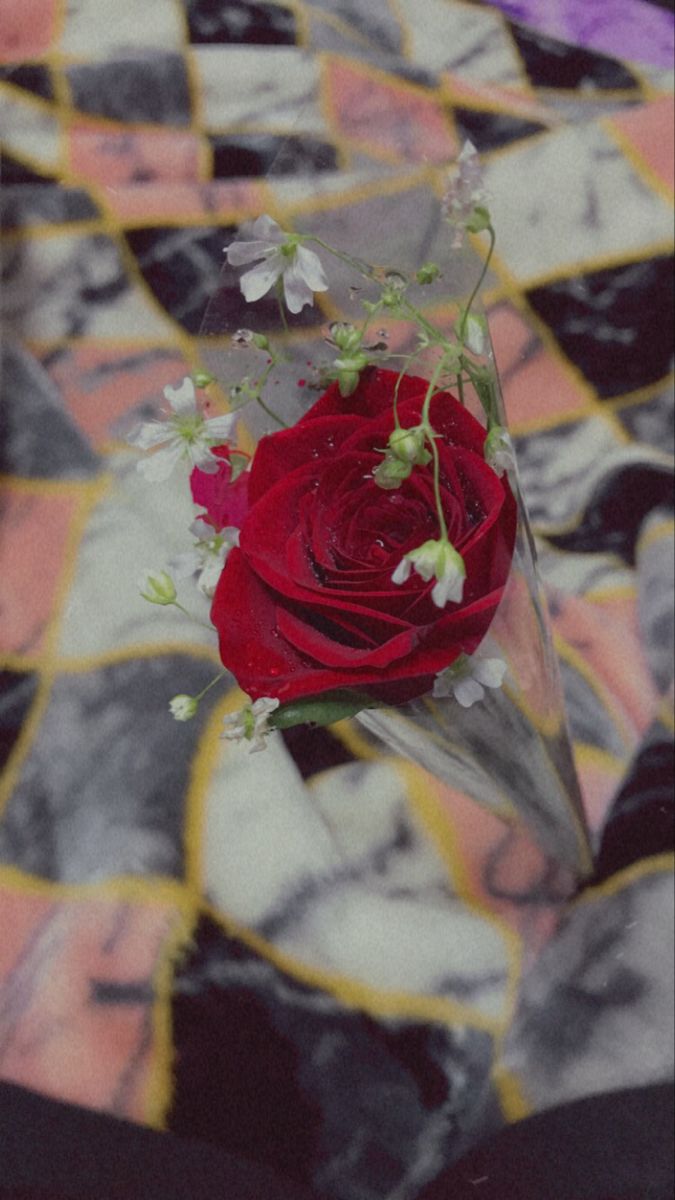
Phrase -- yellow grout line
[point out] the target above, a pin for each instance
(646, 867)
(649, 392)
(353, 994)
(160, 1083)
(605, 262)
(157, 891)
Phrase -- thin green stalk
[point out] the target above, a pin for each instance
(208, 687)
(357, 264)
(486, 265)
(186, 613)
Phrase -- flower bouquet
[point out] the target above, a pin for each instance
(362, 540)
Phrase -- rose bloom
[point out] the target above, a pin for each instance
(306, 604)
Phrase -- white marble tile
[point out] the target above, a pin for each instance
(49, 284)
(404, 944)
(561, 468)
(137, 526)
(340, 876)
(261, 87)
(607, 981)
(27, 128)
(128, 25)
(471, 42)
(263, 838)
(571, 197)
(579, 574)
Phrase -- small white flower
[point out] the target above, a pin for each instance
(251, 723)
(157, 587)
(465, 192)
(186, 434)
(183, 708)
(499, 451)
(282, 256)
(207, 557)
(468, 678)
(439, 561)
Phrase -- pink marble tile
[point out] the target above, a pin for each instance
(388, 117)
(100, 384)
(114, 157)
(35, 531)
(26, 28)
(76, 997)
(651, 130)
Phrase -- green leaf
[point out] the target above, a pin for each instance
(321, 710)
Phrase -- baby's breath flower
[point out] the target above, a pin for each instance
(429, 273)
(183, 708)
(185, 434)
(157, 587)
(408, 445)
(468, 678)
(207, 557)
(391, 473)
(435, 560)
(499, 451)
(282, 257)
(251, 723)
(465, 196)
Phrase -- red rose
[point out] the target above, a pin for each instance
(226, 503)
(306, 604)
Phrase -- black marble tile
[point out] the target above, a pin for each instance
(489, 130)
(377, 23)
(641, 823)
(148, 87)
(554, 64)
(33, 203)
(102, 789)
(33, 77)
(182, 267)
(38, 440)
(613, 516)
(240, 21)
(255, 154)
(651, 421)
(14, 171)
(17, 692)
(187, 272)
(315, 749)
(615, 325)
(282, 1074)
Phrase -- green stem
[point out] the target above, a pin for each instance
(258, 393)
(434, 449)
(437, 491)
(472, 297)
(197, 620)
(357, 264)
(208, 687)
(271, 413)
(282, 309)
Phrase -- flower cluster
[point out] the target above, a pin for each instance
(359, 557)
